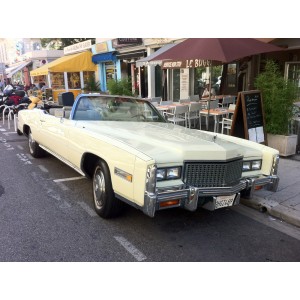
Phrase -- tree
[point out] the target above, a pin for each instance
(60, 43)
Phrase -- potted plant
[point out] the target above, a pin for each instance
(278, 97)
(120, 87)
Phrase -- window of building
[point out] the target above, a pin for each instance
(74, 80)
(292, 72)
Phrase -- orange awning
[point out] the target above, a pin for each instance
(70, 63)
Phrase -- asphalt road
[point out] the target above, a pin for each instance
(46, 215)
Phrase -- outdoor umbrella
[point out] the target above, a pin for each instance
(215, 50)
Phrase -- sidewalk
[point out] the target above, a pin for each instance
(285, 203)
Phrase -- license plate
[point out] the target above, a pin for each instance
(224, 201)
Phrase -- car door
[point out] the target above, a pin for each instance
(53, 133)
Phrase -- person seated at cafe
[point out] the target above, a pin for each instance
(206, 92)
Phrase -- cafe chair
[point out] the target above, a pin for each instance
(227, 100)
(231, 110)
(178, 116)
(213, 104)
(226, 125)
(194, 114)
(166, 102)
(155, 99)
(194, 98)
(182, 101)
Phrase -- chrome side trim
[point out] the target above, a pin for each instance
(63, 160)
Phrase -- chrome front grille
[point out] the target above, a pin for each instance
(212, 174)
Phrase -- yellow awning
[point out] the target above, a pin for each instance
(70, 63)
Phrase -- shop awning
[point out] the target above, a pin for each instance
(70, 63)
(13, 70)
(145, 61)
(101, 57)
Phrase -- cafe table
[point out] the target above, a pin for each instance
(170, 106)
(216, 113)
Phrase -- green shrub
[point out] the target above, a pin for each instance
(119, 87)
(92, 85)
(278, 97)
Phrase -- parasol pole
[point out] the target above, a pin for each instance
(209, 97)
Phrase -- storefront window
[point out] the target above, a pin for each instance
(88, 76)
(158, 81)
(176, 84)
(110, 71)
(74, 80)
(231, 76)
(199, 82)
(38, 79)
(57, 81)
(292, 72)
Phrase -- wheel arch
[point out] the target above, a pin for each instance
(88, 163)
(26, 130)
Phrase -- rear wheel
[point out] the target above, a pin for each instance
(34, 148)
(106, 205)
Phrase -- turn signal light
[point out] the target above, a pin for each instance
(169, 203)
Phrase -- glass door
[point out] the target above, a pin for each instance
(292, 72)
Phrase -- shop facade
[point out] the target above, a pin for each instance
(104, 55)
(129, 50)
(69, 73)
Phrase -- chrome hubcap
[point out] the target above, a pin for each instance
(99, 188)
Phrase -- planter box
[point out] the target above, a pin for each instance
(285, 144)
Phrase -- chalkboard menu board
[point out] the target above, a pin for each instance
(248, 119)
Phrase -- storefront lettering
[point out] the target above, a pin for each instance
(78, 47)
(188, 63)
(196, 63)
(172, 64)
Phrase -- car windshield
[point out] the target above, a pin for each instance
(112, 108)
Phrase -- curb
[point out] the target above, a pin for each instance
(274, 209)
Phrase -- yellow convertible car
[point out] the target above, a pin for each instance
(133, 155)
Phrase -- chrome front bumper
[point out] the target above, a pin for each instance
(189, 197)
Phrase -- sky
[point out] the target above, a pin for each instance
(155, 18)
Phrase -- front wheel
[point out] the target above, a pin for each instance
(106, 205)
(34, 148)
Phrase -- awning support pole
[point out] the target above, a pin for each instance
(66, 81)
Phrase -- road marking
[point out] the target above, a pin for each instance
(23, 158)
(42, 168)
(20, 147)
(138, 255)
(265, 219)
(2, 129)
(29, 156)
(62, 186)
(68, 179)
(90, 211)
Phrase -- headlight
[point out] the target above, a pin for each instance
(168, 173)
(251, 165)
(161, 174)
(246, 166)
(256, 165)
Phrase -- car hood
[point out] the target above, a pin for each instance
(172, 143)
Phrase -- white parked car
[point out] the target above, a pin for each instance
(134, 156)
